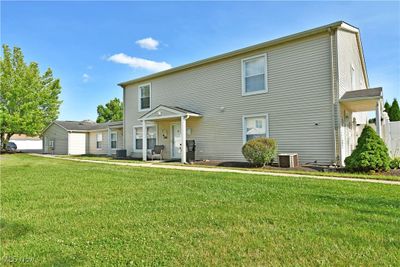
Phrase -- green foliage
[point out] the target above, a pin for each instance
(112, 111)
(394, 112)
(395, 163)
(260, 151)
(29, 101)
(387, 107)
(371, 153)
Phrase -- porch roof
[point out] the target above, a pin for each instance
(362, 100)
(167, 112)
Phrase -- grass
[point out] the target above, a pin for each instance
(67, 213)
(315, 173)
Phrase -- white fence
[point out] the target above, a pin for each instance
(393, 139)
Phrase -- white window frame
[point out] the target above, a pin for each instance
(134, 136)
(265, 90)
(51, 143)
(244, 125)
(101, 142)
(140, 97)
(116, 140)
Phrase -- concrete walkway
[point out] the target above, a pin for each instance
(216, 169)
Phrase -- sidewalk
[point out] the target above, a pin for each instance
(204, 169)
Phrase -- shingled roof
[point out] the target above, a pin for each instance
(363, 94)
(87, 125)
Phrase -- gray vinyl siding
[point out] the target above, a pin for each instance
(348, 54)
(60, 136)
(92, 143)
(120, 139)
(299, 95)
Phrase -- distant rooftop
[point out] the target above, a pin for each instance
(87, 125)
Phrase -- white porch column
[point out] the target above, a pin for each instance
(183, 139)
(378, 119)
(109, 141)
(144, 141)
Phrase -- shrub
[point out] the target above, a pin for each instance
(260, 151)
(395, 163)
(371, 153)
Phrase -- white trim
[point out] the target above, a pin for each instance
(177, 114)
(265, 90)
(101, 142)
(178, 124)
(134, 135)
(244, 117)
(183, 139)
(140, 96)
(116, 140)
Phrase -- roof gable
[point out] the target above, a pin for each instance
(165, 112)
(273, 42)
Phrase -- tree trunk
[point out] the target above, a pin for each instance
(5, 138)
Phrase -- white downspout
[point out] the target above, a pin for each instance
(144, 141)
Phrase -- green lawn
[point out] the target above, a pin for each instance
(376, 176)
(57, 212)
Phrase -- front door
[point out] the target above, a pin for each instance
(176, 141)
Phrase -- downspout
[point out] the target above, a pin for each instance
(333, 80)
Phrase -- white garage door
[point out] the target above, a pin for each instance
(77, 143)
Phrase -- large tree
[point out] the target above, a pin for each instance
(112, 111)
(394, 112)
(29, 101)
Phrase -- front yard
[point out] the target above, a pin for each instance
(57, 212)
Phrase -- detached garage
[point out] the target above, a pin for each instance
(80, 137)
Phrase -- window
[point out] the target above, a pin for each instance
(151, 137)
(99, 140)
(255, 126)
(353, 78)
(113, 140)
(254, 75)
(51, 143)
(144, 97)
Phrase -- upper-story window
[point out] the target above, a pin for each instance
(144, 97)
(353, 77)
(254, 75)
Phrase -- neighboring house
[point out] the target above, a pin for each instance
(27, 143)
(309, 91)
(82, 137)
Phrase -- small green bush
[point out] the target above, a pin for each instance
(260, 151)
(371, 153)
(395, 163)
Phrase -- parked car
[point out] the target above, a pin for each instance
(11, 147)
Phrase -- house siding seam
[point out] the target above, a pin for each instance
(300, 90)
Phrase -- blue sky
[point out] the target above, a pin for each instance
(82, 41)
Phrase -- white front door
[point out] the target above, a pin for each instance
(176, 141)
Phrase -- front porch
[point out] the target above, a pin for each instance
(166, 126)
(354, 108)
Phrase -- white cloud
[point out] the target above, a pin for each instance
(85, 77)
(148, 43)
(139, 63)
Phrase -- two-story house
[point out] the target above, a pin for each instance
(309, 91)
